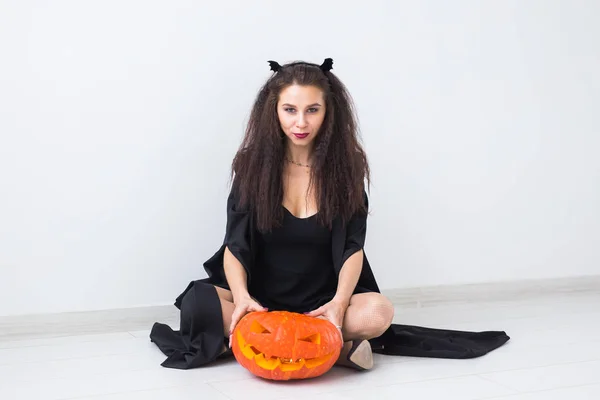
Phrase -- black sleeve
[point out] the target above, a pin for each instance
(238, 233)
(356, 232)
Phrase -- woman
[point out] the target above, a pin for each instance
(301, 166)
(296, 226)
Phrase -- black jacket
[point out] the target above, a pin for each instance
(200, 338)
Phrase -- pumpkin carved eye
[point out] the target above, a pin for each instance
(258, 328)
(316, 339)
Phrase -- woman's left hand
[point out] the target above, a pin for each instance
(333, 311)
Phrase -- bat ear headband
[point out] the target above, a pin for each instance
(325, 67)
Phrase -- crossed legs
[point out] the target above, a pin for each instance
(368, 315)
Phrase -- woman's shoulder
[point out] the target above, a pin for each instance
(235, 200)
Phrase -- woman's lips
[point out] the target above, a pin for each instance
(301, 135)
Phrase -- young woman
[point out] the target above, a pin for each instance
(296, 228)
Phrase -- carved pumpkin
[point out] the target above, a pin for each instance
(282, 345)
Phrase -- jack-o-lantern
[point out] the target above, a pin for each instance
(282, 345)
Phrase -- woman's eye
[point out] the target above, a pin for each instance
(311, 110)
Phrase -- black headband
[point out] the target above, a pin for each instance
(325, 67)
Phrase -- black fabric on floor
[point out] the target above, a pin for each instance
(201, 336)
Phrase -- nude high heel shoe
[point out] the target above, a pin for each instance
(360, 356)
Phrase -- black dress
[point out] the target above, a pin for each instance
(294, 266)
(283, 275)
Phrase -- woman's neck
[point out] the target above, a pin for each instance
(297, 154)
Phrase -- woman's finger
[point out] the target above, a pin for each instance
(257, 307)
(238, 313)
(341, 334)
(235, 317)
(315, 313)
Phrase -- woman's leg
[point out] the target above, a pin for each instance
(227, 307)
(368, 316)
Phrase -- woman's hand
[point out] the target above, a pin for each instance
(334, 312)
(243, 307)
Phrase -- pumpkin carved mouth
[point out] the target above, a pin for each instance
(270, 362)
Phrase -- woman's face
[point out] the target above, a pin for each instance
(301, 111)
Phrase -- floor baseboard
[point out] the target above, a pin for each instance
(496, 291)
(135, 319)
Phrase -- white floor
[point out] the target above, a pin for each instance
(554, 354)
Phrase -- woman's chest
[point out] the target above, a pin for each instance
(299, 197)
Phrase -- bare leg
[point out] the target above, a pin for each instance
(227, 308)
(367, 317)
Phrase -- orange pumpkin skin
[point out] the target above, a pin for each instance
(281, 345)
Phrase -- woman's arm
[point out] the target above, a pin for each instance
(335, 310)
(352, 259)
(238, 284)
(236, 277)
(348, 278)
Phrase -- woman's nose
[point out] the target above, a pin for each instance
(301, 122)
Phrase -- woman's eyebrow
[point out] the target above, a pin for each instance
(312, 105)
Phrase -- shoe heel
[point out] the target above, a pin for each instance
(361, 355)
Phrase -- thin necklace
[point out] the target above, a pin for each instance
(297, 163)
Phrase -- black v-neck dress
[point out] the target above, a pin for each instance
(294, 267)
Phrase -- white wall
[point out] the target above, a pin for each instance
(118, 121)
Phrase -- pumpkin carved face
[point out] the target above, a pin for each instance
(282, 345)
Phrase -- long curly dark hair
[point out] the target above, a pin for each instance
(340, 166)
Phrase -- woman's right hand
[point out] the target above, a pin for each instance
(243, 307)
